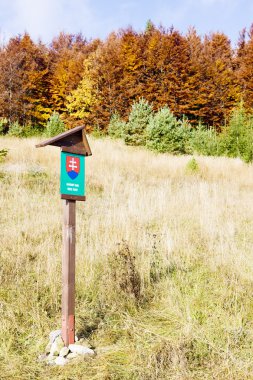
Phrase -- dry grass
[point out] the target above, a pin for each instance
(164, 264)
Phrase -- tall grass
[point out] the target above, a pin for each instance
(164, 264)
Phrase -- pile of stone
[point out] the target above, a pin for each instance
(58, 354)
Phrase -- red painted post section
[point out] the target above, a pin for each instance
(68, 272)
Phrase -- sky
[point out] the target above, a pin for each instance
(45, 19)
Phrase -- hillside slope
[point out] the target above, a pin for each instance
(164, 264)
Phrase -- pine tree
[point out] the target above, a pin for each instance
(139, 118)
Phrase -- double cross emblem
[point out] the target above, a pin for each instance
(72, 166)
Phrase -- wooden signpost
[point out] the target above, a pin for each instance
(74, 147)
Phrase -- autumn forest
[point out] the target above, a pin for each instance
(202, 78)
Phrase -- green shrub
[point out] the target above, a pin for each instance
(205, 141)
(166, 134)
(32, 130)
(16, 130)
(54, 125)
(116, 127)
(3, 125)
(3, 154)
(28, 130)
(98, 132)
(192, 166)
(237, 137)
(139, 118)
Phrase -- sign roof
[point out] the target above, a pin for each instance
(73, 141)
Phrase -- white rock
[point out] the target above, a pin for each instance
(53, 335)
(64, 351)
(51, 359)
(51, 362)
(59, 342)
(81, 350)
(61, 361)
(72, 355)
(55, 349)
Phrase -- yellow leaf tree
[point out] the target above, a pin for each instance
(83, 98)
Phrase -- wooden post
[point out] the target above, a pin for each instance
(74, 148)
(68, 272)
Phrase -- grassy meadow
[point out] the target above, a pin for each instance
(164, 271)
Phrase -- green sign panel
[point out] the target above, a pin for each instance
(72, 174)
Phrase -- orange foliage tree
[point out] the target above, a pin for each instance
(244, 66)
(24, 81)
(67, 54)
(89, 81)
(212, 80)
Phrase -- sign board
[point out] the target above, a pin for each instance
(72, 182)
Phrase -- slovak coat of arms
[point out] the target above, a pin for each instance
(72, 166)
